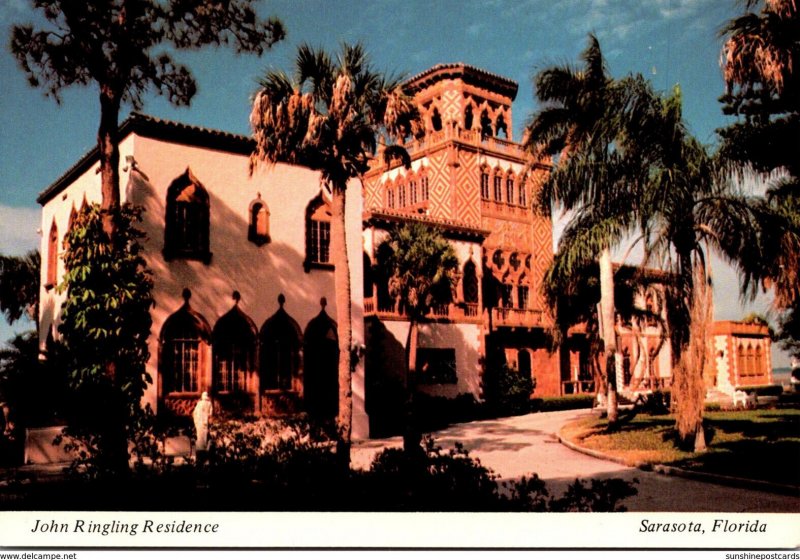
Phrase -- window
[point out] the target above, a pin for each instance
(436, 366)
(505, 295)
(412, 191)
(234, 344)
(484, 184)
(390, 196)
(436, 120)
(523, 197)
(524, 362)
(258, 229)
(318, 234)
(501, 128)
(468, 118)
(401, 195)
(523, 296)
(183, 337)
(486, 125)
(510, 190)
(279, 340)
(52, 257)
(187, 220)
(498, 188)
(425, 189)
(470, 283)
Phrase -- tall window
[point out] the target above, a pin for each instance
(523, 197)
(258, 229)
(436, 120)
(280, 342)
(498, 187)
(183, 337)
(390, 196)
(523, 296)
(234, 344)
(401, 195)
(187, 220)
(423, 182)
(468, 118)
(318, 234)
(470, 283)
(505, 295)
(52, 256)
(510, 190)
(484, 184)
(412, 191)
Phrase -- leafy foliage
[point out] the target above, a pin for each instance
(19, 286)
(105, 325)
(419, 265)
(506, 391)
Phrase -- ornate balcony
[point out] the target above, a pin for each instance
(453, 312)
(513, 317)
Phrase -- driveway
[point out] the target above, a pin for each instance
(521, 445)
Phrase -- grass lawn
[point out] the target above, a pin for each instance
(757, 444)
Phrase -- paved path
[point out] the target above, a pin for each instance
(516, 446)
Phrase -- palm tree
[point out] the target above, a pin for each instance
(19, 286)
(691, 209)
(579, 125)
(329, 117)
(760, 56)
(419, 265)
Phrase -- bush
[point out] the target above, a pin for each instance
(506, 391)
(763, 390)
(568, 402)
(435, 413)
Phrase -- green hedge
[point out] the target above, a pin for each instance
(763, 390)
(568, 402)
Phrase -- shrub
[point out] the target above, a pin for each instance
(568, 402)
(506, 391)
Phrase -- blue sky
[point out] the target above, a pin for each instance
(668, 41)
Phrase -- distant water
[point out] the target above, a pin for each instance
(782, 376)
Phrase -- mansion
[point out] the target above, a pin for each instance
(243, 280)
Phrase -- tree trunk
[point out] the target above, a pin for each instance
(608, 333)
(412, 437)
(343, 320)
(689, 375)
(107, 144)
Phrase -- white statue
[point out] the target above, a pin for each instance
(201, 415)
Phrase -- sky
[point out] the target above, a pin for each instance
(668, 41)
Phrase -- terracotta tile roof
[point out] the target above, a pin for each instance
(470, 73)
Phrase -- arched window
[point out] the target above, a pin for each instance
(412, 191)
(423, 183)
(183, 340)
(436, 120)
(187, 220)
(523, 195)
(741, 359)
(498, 186)
(258, 229)
(280, 340)
(470, 283)
(318, 234)
(52, 257)
(390, 196)
(73, 215)
(758, 365)
(510, 189)
(234, 345)
(485, 183)
(401, 195)
(468, 118)
(486, 125)
(501, 129)
(320, 371)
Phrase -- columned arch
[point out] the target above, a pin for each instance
(320, 372)
(280, 340)
(184, 351)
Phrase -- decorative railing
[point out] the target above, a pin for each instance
(461, 312)
(473, 137)
(513, 317)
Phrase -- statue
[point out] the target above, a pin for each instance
(201, 415)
